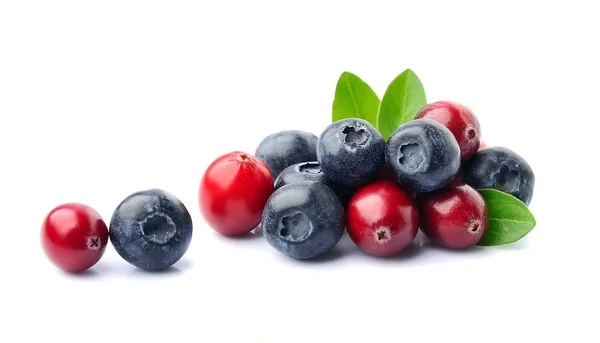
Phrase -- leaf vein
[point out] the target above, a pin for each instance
(358, 114)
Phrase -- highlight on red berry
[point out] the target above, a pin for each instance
(460, 120)
(382, 219)
(74, 237)
(233, 193)
(455, 217)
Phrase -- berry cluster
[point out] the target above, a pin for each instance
(382, 171)
(150, 229)
(306, 191)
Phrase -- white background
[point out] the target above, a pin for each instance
(102, 99)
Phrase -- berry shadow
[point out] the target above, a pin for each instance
(138, 273)
(342, 249)
(184, 264)
(422, 241)
(333, 255)
(424, 244)
(86, 274)
(474, 250)
(522, 244)
(97, 271)
(252, 235)
(409, 253)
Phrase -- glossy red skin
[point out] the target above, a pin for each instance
(460, 120)
(382, 219)
(74, 237)
(454, 217)
(233, 193)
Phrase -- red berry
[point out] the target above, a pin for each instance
(74, 237)
(382, 219)
(482, 145)
(460, 120)
(454, 217)
(233, 193)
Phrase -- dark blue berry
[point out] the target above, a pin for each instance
(344, 193)
(311, 171)
(423, 155)
(151, 229)
(282, 149)
(501, 169)
(303, 220)
(351, 152)
(304, 171)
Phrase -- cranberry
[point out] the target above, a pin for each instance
(382, 219)
(74, 237)
(233, 193)
(460, 120)
(454, 217)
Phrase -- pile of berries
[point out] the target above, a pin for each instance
(306, 191)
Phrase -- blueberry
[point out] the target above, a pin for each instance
(282, 149)
(501, 169)
(351, 152)
(344, 193)
(303, 220)
(423, 155)
(151, 229)
(311, 171)
(304, 171)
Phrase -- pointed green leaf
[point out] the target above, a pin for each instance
(354, 99)
(402, 100)
(509, 218)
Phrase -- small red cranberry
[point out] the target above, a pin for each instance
(460, 120)
(454, 217)
(382, 219)
(233, 193)
(74, 237)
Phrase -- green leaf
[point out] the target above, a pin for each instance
(510, 219)
(402, 100)
(354, 99)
